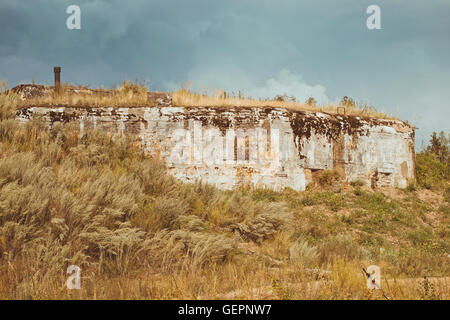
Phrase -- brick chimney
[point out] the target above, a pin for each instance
(57, 71)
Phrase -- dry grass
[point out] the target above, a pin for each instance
(186, 98)
(129, 94)
(97, 201)
(135, 94)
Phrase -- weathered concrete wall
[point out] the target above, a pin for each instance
(269, 147)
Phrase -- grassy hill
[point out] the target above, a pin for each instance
(136, 232)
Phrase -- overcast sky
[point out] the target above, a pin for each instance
(260, 47)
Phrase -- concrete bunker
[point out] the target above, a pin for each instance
(264, 146)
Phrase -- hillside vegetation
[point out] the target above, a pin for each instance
(96, 201)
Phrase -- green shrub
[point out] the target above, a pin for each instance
(447, 194)
(411, 186)
(357, 183)
(328, 177)
(336, 202)
(357, 191)
(431, 173)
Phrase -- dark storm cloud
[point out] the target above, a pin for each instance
(260, 47)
